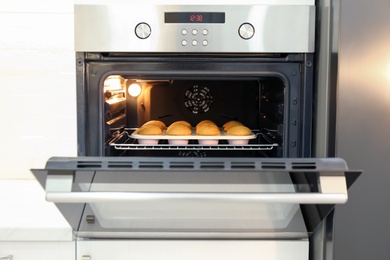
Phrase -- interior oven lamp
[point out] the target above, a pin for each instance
(134, 90)
(112, 83)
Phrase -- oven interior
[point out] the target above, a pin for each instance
(258, 103)
(271, 95)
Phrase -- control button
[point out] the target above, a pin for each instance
(205, 43)
(184, 32)
(246, 31)
(143, 30)
(184, 42)
(194, 32)
(205, 32)
(194, 42)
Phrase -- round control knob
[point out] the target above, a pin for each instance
(143, 30)
(246, 31)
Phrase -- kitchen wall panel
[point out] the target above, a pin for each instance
(37, 82)
(363, 126)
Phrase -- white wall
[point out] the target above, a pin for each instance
(37, 84)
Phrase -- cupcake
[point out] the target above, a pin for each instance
(178, 129)
(158, 123)
(149, 130)
(239, 130)
(204, 122)
(182, 122)
(230, 124)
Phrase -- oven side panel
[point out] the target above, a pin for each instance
(82, 105)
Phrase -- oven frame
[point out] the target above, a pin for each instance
(295, 70)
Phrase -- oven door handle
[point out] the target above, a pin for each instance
(332, 189)
(103, 197)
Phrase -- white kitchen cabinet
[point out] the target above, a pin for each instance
(30, 227)
(192, 249)
(43, 250)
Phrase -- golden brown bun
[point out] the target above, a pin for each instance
(178, 129)
(208, 130)
(158, 123)
(239, 130)
(204, 122)
(149, 130)
(181, 122)
(230, 124)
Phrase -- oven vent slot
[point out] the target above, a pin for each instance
(151, 165)
(273, 165)
(304, 166)
(181, 165)
(212, 165)
(89, 164)
(120, 164)
(243, 165)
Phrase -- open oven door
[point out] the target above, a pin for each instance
(196, 198)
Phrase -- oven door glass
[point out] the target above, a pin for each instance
(195, 198)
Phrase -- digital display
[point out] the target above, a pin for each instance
(194, 17)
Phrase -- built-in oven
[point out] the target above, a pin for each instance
(197, 129)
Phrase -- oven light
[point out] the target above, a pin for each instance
(112, 83)
(134, 90)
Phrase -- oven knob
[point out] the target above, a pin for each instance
(143, 30)
(246, 31)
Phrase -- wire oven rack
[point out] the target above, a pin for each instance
(124, 141)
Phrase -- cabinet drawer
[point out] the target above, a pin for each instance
(38, 250)
(192, 249)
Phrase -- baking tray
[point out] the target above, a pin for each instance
(183, 139)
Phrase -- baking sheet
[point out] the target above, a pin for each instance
(193, 136)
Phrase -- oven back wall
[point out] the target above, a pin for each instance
(37, 83)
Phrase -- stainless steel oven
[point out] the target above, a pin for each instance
(266, 193)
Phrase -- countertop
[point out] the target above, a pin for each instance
(25, 215)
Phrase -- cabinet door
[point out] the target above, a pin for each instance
(38, 250)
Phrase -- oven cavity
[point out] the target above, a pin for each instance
(270, 96)
(130, 102)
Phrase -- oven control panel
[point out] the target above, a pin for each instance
(237, 28)
(191, 36)
(194, 36)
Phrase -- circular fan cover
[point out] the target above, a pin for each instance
(198, 99)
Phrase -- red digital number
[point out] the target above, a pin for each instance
(196, 18)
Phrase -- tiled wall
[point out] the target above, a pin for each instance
(37, 83)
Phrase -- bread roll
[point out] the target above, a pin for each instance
(158, 123)
(149, 129)
(208, 130)
(230, 124)
(239, 130)
(178, 129)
